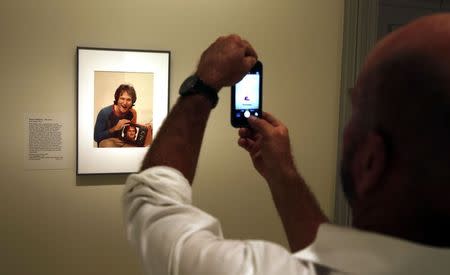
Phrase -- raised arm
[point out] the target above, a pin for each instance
(171, 235)
(178, 141)
(269, 147)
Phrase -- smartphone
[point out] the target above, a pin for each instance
(246, 97)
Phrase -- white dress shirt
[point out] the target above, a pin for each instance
(174, 237)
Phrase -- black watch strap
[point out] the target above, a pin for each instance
(209, 92)
(194, 85)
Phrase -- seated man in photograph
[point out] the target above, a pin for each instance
(111, 119)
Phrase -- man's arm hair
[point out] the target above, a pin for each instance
(269, 147)
(179, 139)
(299, 210)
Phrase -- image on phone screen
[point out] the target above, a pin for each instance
(247, 97)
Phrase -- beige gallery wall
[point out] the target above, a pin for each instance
(55, 222)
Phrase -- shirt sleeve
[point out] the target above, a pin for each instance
(101, 130)
(173, 237)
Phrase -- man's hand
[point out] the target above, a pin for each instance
(226, 61)
(149, 126)
(120, 124)
(268, 145)
(177, 145)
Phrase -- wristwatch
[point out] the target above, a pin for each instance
(194, 85)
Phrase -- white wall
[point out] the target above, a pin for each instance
(54, 222)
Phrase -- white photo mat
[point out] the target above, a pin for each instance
(92, 160)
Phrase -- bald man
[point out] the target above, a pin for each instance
(397, 142)
(395, 172)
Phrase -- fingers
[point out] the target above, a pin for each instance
(226, 61)
(271, 119)
(250, 55)
(243, 143)
(263, 125)
(249, 145)
(249, 50)
(260, 125)
(247, 137)
(233, 36)
(249, 62)
(220, 38)
(245, 132)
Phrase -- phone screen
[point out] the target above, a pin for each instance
(247, 97)
(247, 93)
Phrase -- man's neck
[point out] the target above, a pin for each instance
(418, 228)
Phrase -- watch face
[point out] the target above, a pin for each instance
(188, 84)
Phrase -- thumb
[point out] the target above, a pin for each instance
(259, 125)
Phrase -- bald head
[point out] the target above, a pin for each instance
(398, 150)
(405, 91)
(429, 36)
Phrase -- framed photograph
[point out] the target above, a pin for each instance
(123, 98)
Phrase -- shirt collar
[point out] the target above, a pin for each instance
(355, 251)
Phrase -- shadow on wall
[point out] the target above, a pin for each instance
(98, 180)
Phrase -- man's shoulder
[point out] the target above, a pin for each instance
(106, 110)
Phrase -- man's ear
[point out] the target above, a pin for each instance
(369, 164)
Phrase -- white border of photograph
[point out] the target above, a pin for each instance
(91, 160)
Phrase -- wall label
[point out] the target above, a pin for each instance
(45, 141)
